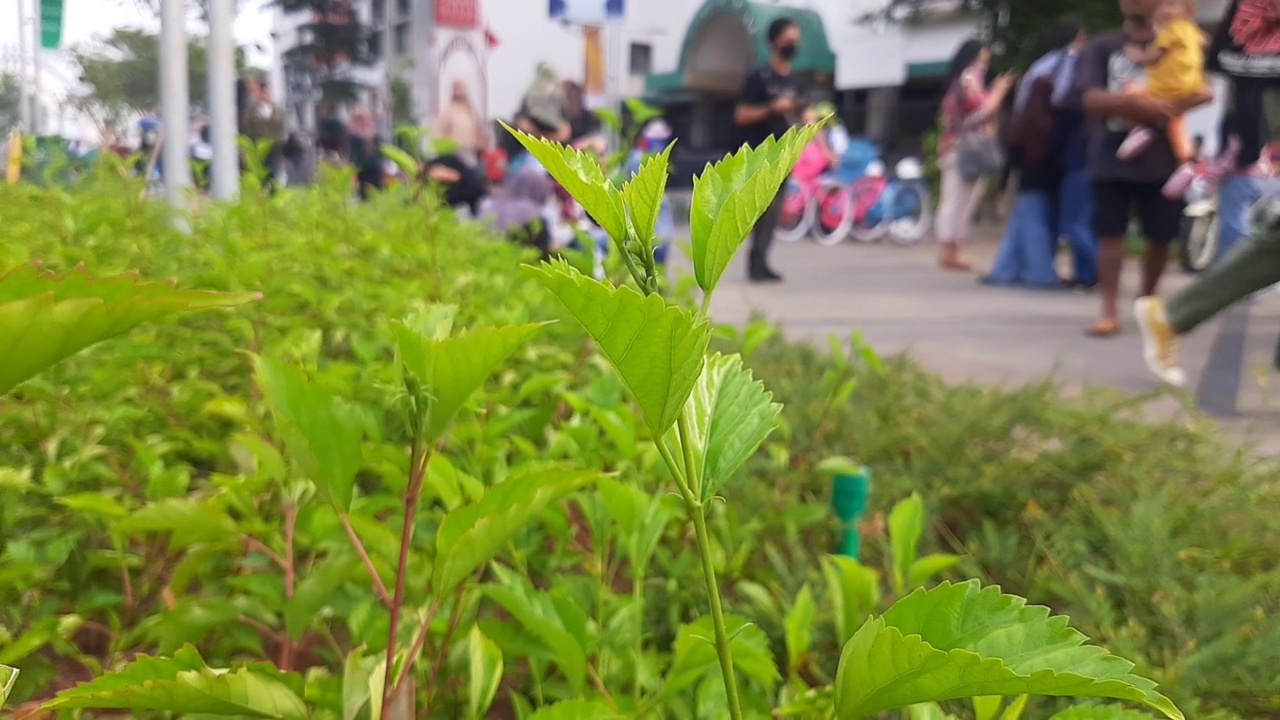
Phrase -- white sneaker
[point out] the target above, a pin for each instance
(1159, 341)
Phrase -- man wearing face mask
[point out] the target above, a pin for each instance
(767, 107)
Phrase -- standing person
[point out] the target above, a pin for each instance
(968, 107)
(1025, 256)
(1123, 188)
(365, 152)
(1247, 50)
(586, 131)
(767, 107)
(1075, 198)
(460, 122)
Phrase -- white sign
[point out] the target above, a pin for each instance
(587, 12)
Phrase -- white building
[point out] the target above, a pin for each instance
(692, 54)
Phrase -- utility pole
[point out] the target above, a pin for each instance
(225, 168)
(175, 100)
(37, 111)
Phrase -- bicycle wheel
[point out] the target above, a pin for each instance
(909, 212)
(869, 222)
(796, 216)
(833, 213)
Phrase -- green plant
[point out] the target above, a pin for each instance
(165, 485)
(707, 414)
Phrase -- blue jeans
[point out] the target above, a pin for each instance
(1024, 256)
(1075, 221)
(1236, 194)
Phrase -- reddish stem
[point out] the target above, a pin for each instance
(418, 643)
(256, 545)
(379, 587)
(290, 579)
(417, 472)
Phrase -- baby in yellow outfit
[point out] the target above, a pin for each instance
(1175, 71)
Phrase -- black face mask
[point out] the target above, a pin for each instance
(787, 52)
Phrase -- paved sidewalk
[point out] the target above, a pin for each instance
(969, 333)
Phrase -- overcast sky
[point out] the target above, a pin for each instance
(83, 20)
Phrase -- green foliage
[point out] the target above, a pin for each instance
(322, 434)
(731, 195)
(149, 500)
(471, 535)
(52, 317)
(958, 641)
(8, 676)
(184, 684)
(657, 349)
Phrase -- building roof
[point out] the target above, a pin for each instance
(813, 55)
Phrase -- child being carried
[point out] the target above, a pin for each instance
(1175, 71)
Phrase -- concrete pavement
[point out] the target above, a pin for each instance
(967, 332)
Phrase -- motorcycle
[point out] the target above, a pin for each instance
(1199, 235)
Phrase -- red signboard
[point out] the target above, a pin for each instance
(458, 13)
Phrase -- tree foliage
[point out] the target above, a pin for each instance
(1021, 28)
(334, 42)
(10, 101)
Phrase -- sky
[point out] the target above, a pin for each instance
(85, 20)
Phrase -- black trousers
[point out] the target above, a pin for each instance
(762, 235)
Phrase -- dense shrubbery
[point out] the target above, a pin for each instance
(141, 505)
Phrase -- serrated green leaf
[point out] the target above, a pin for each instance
(450, 369)
(730, 414)
(577, 709)
(8, 676)
(644, 192)
(730, 196)
(960, 641)
(183, 684)
(323, 434)
(46, 318)
(580, 174)
(185, 520)
(485, 662)
(906, 525)
(470, 536)
(658, 350)
(1100, 712)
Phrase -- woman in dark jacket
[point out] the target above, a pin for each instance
(1026, 255)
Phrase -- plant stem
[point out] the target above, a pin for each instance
(418, 459)
(290, 579)
(717, 613)
(637, 602)
(379, 587)
(697, 511)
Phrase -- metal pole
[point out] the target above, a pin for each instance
(175, 100)
(37, 46)
(225, 167)
(24, 88)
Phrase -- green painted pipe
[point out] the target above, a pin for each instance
(849, 497)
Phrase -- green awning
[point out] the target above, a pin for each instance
(814, 54)
(928, 70)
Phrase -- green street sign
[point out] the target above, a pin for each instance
(50, 24)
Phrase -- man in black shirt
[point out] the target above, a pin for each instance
(767, 107)
(1134, 186)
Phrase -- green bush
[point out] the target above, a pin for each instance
(1158, 539)
(141, 493)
